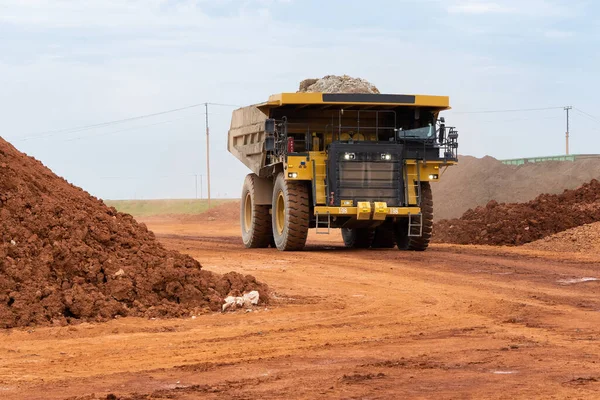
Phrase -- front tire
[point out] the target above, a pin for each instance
(255, 219)
(290, 214)
(417, 243)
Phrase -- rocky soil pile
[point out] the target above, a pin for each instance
(520, 223)
(337, 84)
(476, 181)
(582, 239)
(65, 256)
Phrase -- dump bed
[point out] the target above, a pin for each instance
(247, 137)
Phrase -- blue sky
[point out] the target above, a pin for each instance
(65, 64)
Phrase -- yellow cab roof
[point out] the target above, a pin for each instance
(351, 100)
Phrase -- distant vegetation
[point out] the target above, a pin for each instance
(140, 208)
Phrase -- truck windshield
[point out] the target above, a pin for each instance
(418, 133)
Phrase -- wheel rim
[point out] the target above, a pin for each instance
(280, 213)
(247, 212)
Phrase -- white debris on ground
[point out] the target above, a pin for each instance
(576, 280)
(337, 84)
(247, 300)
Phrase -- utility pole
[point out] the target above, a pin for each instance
(201, 195)
(196, 182)
(567, 135)
(207, 154)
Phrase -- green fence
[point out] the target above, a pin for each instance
(572, 157)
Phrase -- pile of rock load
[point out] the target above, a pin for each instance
(337, 84)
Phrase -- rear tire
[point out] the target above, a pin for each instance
(384, 236)
(290, 214)
(255, 220)
(417, 243)
(358, 238)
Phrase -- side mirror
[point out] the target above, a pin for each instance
(442, 120)
(270, 143)
(442, 134)
(270, 126)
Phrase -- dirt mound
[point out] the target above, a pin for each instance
(476, 181)
(225, 212)
(229, 212)
(520, 223)
(582, 239)
(66, 256)
(337, 84)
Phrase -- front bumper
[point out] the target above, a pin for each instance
(377, 211)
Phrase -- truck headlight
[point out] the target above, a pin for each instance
(434, 176)
(349, 156)
(386, 157)
(292, 175)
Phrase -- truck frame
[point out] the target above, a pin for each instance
(359, 162)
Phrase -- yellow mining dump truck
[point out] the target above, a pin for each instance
(359, 162)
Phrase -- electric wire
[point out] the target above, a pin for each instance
(118, 121)
(223, 105)
(588, 115)
(517, 119)
(108, 123)
(507, 111)
(122, 130)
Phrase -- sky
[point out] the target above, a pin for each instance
(73, 63)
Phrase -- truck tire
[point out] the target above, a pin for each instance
(358, 238)
(417, 243)
(255, 219)
(384, 236)
(290, 217)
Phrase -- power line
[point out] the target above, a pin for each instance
(150, 177)
(118, 121)
(108, 123)
(123, 130)
(593, 127)
(518, 119)
(224, 105)
(507, 111)
(590, 116)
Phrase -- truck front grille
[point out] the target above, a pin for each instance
(365, 171)
(369, 181)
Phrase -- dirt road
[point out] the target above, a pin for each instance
(453, 322)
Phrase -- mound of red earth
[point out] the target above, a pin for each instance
(475, 181)
(519, 223)
(582, 239)
(228, 211)
(65, 256)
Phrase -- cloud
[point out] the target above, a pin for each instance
(529, 8)
(558, 34)
(478, 8)
(127, 13)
